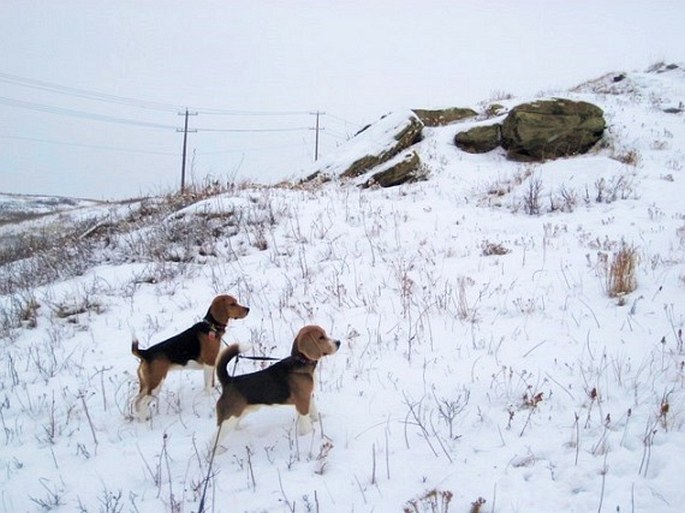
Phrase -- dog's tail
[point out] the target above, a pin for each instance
(222, 363)
(140, 353)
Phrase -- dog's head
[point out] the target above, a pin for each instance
(313, 342)
(226, 307)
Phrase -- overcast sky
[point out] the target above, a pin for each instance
(90, 91)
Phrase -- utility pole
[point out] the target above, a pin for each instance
(316, 140)
(185, 143)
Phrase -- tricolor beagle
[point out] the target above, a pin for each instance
(289, 381)
(197, 347)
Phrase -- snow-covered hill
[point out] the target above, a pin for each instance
(485, 363)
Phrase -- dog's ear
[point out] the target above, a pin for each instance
(309, 342)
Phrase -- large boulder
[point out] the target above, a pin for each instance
(407, 169)
(479, 139)
(550, 129)
(403, 135)
(371, 147)
(442, 117)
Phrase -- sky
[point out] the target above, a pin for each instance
(91, 92)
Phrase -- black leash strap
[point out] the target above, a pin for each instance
(258, 358)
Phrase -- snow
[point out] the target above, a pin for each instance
(512, 378)
(14, 207)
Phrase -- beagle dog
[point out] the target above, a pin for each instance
(288, 381)
(195, 348)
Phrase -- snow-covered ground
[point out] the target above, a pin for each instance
(482, 358)
(17, 207)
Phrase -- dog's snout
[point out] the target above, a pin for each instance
(337, 343)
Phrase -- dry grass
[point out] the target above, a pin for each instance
(532, 202)
(157, 232)
(620, 276)
(434, 501)
(493, 248)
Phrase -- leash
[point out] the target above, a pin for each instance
(258, 358)
(254, 358)
(239, 356)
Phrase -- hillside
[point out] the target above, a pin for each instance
(490, 360)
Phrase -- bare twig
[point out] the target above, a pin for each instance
(90, 421)
(208, 475)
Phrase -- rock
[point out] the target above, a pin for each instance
(494, 109)
(371, 147)
(550, 129)
(479, 139)
(403, 135)
(407, 170)
(442, 117)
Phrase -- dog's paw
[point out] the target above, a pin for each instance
(303, 425)
(142, 415)
(213, 448)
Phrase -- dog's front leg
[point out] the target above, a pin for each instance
(209, 377)
(304, 417)
(313, 410)
(141, 406)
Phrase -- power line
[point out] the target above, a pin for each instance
(342, 120)
(135, 102)
(335, 134)
(83, 93)
(246, 150)
(84, 145)
(145, 104)
(50, 109)
(253, 130)
(148, 104)
(222, 112)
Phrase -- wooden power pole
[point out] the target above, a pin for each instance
(185, 144)
(316, 139)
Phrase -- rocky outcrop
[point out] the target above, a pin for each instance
(378, 154)
(404, 135)
(442, 117)
(479, 139)
(370, 148)
(550, 129)
(406, 170)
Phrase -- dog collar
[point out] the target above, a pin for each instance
(301, 358)
(214, 325)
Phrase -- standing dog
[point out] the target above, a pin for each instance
(195, 348)
(289, 381)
